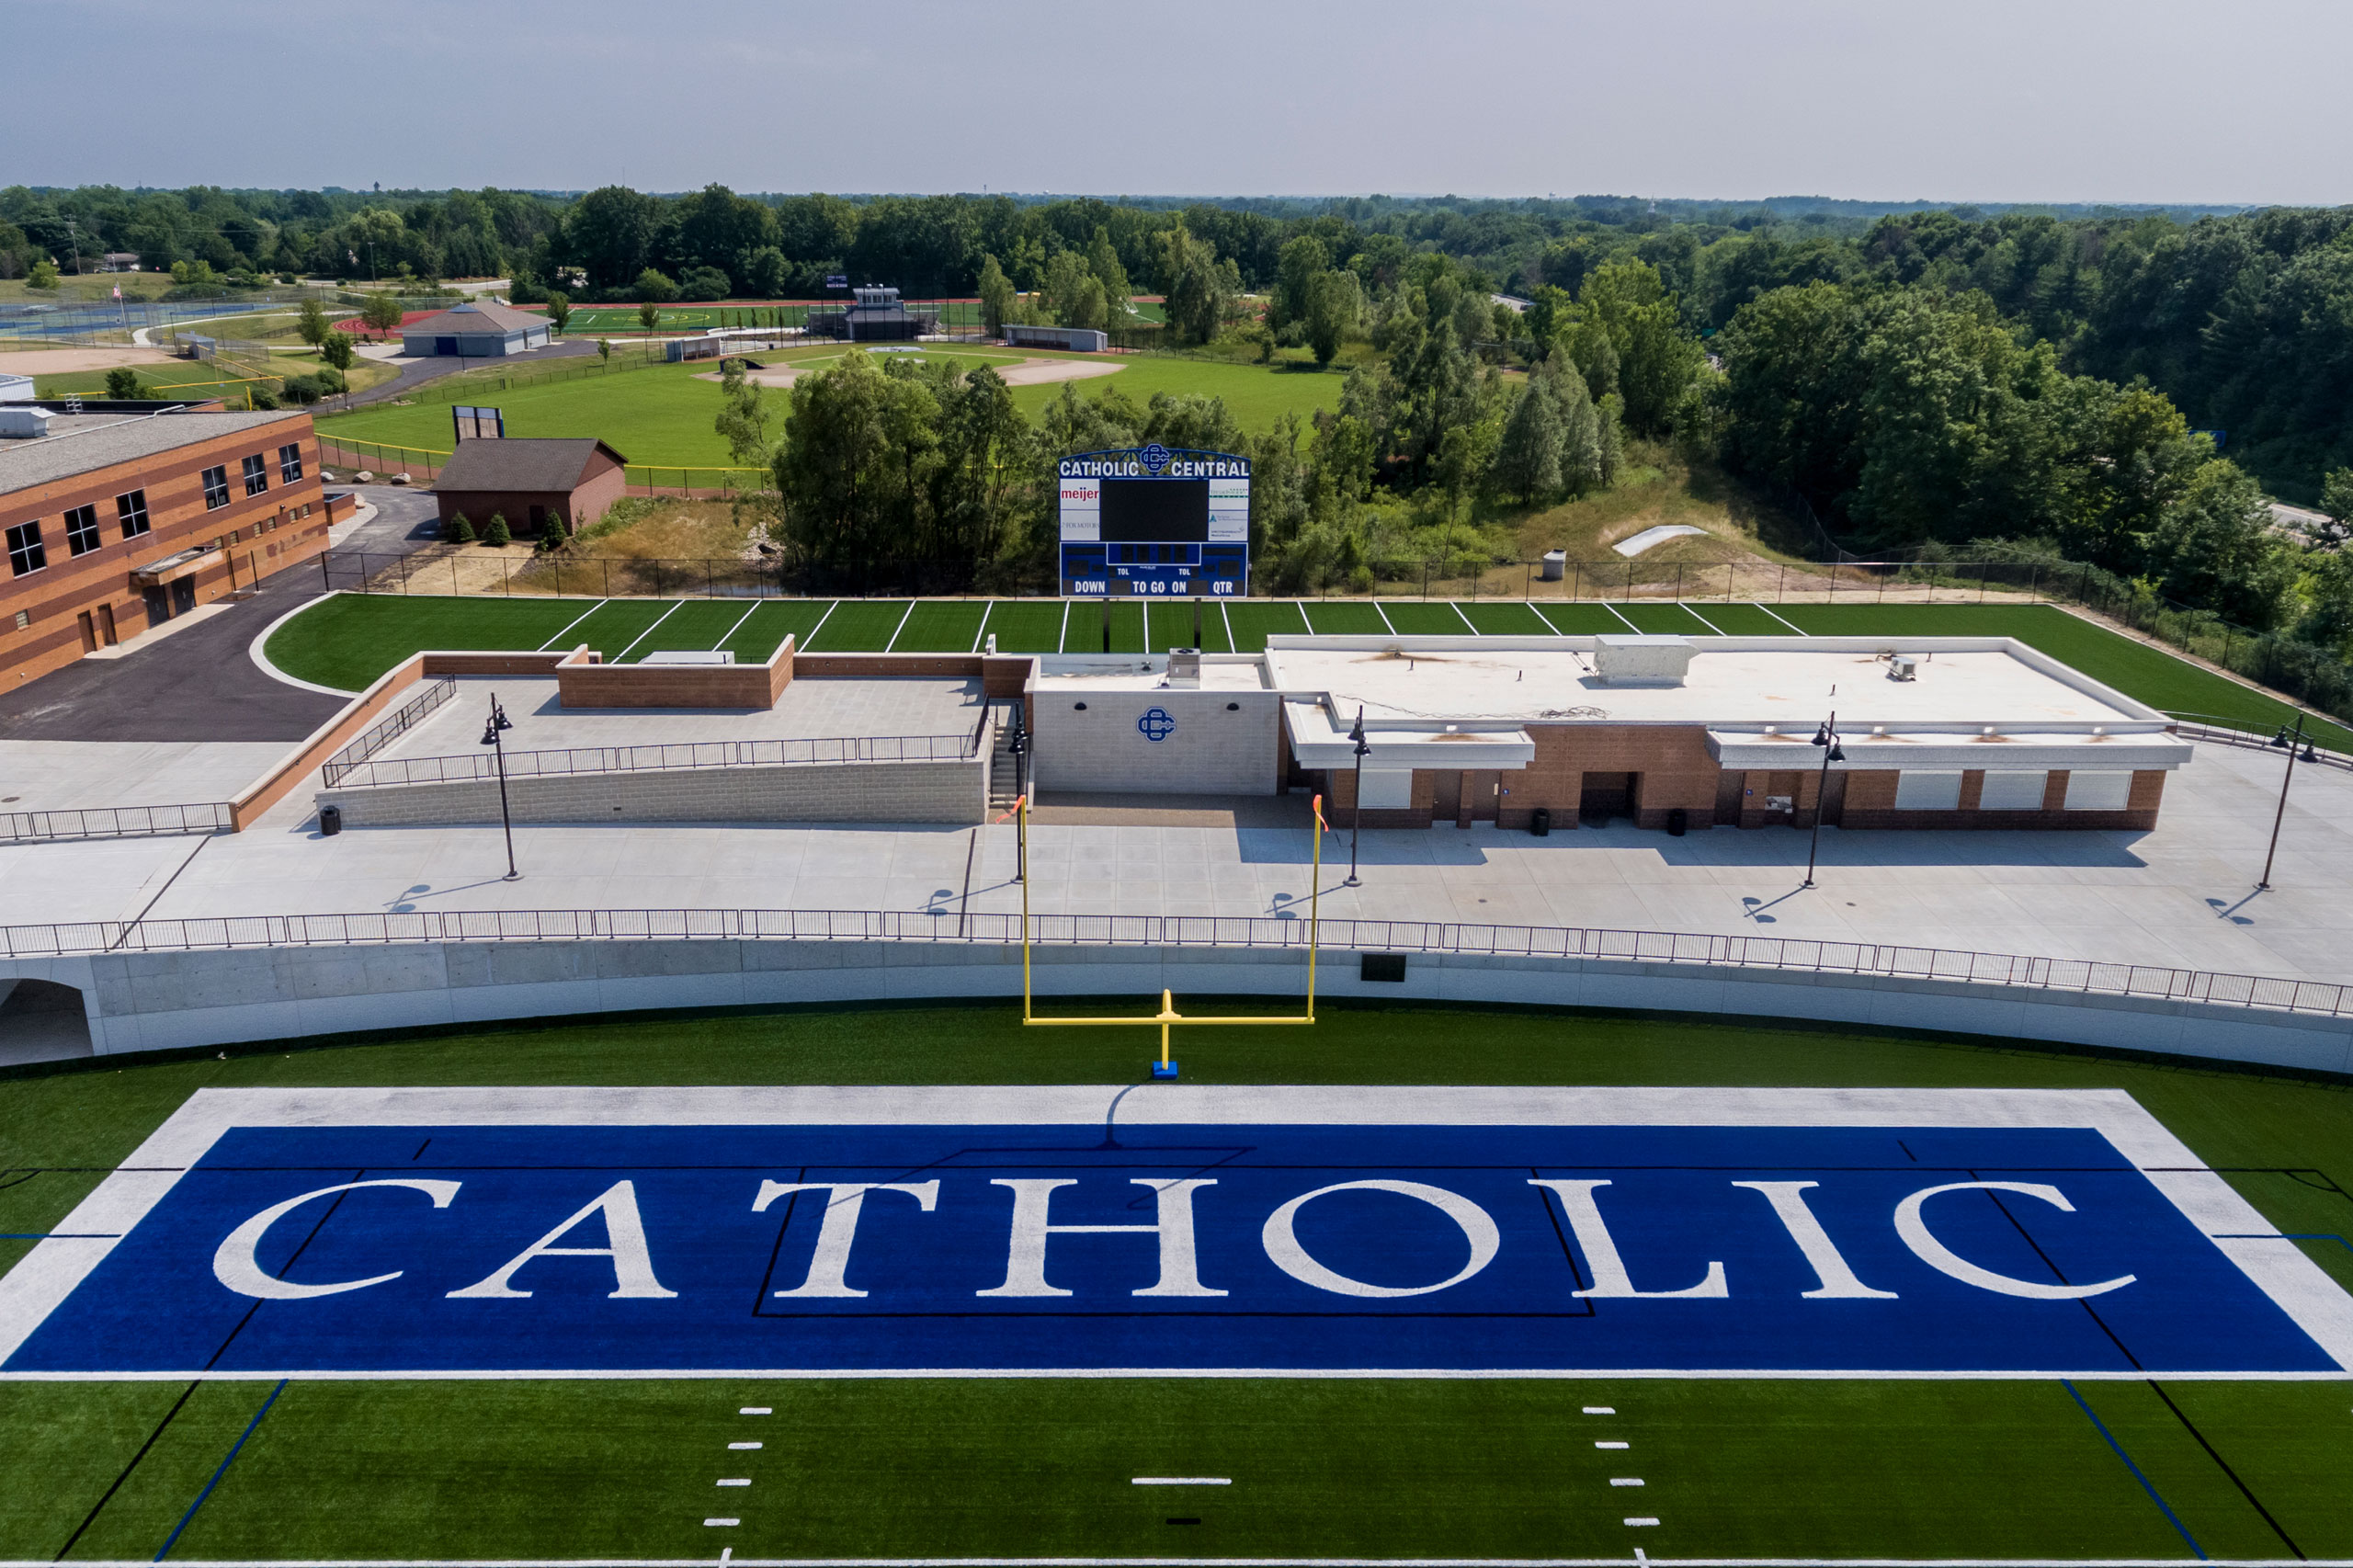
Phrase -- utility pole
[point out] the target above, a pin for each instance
(2307, 755)
(499, 723)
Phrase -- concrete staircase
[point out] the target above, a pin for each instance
(1005, 768)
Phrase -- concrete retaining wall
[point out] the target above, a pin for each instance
(954, 792)
(156, 1001)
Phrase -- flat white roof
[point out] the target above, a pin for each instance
(1749, 681)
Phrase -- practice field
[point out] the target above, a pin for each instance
(1535, 1229)
(662, 415)
(352, 639)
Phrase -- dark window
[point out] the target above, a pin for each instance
(133, 510)
(26, 554)
(81, 531)
(290, 462)
(216, 488)
(257, 474)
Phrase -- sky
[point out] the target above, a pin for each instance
(1945, 100)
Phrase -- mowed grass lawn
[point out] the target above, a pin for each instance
(1376, 1467)
(662, 414)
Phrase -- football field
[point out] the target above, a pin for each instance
(351, 638)
(915, 1283)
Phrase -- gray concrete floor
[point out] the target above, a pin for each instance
(48, 775)
(809, 708)
(2180, 896)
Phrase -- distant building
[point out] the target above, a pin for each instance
(523, 481)
(874, 315)
(118, 261)
(478, 331)
(111, 523)
(1085, 340)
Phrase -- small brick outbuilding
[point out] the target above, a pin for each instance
(523, 481)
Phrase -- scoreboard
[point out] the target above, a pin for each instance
(1152, 522)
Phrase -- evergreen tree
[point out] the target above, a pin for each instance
(1103, 260)
(996, 297)
(460, 530)
(1528, 458)
(555, 535)
(498, 535)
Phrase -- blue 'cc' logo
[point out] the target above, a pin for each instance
(1156, 725)
(1156, 458)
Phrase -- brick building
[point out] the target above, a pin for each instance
(523, 481)
(113, 523)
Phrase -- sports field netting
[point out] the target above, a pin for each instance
(1026, 626)
(941, 626)
(860, 626)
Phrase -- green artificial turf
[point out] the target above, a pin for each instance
(1171, 625)
(941, 626)
(351, 638)
(1255, 620)
(1664, 619)
(860, 626)
(1083, 631)
(695, 626)
(1426, 617)
(1581, 619)
(1026, 625)
(1346, 618)
(758, 639)
(1502, 618)
(1379, 1468)
(1742, 619)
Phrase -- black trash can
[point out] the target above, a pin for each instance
(329, 821)
(1540, 821)
(1678, 819)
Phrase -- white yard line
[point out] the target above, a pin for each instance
(576, 621)
(735, 628)
(1064, 640)
(803, 647)
(1229, 625)
(1463, 616)
(757, 1410)
(622, 657)
(1698, 617)
(1384, 617)
(981, 635)
(1785, 620)
(1182, 1481)
(1621, 615)
(902, 626)
(1589, 1410)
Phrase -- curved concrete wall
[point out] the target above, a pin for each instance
(162, 1001)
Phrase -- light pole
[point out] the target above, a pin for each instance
(1356, 811)
(499, 723)
(2284, 739)
(1826, 737)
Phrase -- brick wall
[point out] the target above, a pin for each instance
(953, 792)
(583, 682)
(259, 535)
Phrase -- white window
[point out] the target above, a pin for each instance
(1926, 791)
(2012, 791)
(2103, 791)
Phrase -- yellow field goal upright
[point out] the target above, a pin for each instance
(1166, 1068)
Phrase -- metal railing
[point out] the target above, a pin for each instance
(2230, 733)
(386, 731)
(948, 924)
(115, 822)
(677, 755)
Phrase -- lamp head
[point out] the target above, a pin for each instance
(1821, 735)
(2281, 738)
(1837, 752)
(2309, 754)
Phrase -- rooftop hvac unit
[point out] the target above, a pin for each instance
(1902, 666)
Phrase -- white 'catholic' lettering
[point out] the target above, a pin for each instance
(1913, 1229)
(235, 1266)
(830, 1262)
(1837, 1282)
(1024, 1260)
(632, 1265)
(1609, 1276)
(1280, 1239)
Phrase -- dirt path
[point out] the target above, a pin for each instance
(64, 361)
(1028, 373)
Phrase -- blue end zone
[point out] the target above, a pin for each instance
(1354, 1296)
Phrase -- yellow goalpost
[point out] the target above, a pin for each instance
(1169, 1016)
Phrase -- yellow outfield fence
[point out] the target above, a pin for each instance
(642, 479)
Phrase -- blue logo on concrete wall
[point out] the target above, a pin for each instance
(1156, 725)
(1156, 458)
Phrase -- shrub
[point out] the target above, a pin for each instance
(705, 283)
(299, 391)
(555, 536)
(331, 381)
(123, 382)
(656, 287)
(461, 532)
(262, 399)
(498, 534)
(42, 276)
